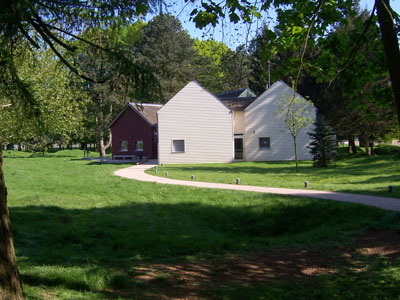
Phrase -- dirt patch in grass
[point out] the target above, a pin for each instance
(192, 280)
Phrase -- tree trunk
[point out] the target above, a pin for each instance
(10, 283)
(363, 140)
(371, 147)
(365, 143)
(391, 47)
(102, 149)
(352, 145)
(295, 154)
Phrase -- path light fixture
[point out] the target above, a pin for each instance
(306, 184)
(156, 169)
(161, 164)
(192, 177)
(237, 180)
(166, 174)
(390, 189)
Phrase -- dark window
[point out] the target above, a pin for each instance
(124, 146)
(178, 146)
(139, 145)
(265, 142)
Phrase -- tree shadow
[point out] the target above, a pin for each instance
(123, 237)
(391, 179)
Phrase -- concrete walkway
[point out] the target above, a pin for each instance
(137, 172)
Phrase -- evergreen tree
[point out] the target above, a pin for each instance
(167, 50)
(323, 146)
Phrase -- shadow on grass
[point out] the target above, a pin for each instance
(103, 239)
(49, 234)
(382, 179)
(372, 282)
(154, 231)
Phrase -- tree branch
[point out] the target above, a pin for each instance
(21, 28)
(79, 38)
(356, 47)
(295, 83)
(58, 54)
(315, 15)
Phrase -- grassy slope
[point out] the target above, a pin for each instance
(359, 174)
(80, 232)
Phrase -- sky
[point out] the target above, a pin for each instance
(231, 34)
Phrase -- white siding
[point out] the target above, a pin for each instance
(238, 122)
(202, 121)
(262, 121)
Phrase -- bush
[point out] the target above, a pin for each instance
(387, 150)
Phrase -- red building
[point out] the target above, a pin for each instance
(134, 131)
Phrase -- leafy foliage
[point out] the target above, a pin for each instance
(360, 102)
(220, 68)
(59, 103)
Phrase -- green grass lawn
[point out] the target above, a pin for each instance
(357, 174)
(82, 233)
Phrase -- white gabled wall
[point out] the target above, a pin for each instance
(262, 121)
(199, 118)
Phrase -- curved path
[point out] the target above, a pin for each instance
(138, 172)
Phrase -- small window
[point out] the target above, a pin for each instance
(124, 146)
(139, 145)
(178, 146)
(155, 136)
(265, 142)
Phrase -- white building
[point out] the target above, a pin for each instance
(265, 137)
(197, 127)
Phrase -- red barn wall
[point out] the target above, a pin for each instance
(131, 127)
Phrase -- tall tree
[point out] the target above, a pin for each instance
(168, 51)
(58, 109)
(297, 20)
(10, 285)
(386, 17)
(361, 97)
(50, 23)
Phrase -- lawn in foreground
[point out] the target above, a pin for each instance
(82, 233)
(352, 174)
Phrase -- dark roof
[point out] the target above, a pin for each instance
(234, 93)
(147, 110)
(237, 99)
(239, 93)
(237, 104)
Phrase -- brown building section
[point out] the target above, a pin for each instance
(134, 131)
